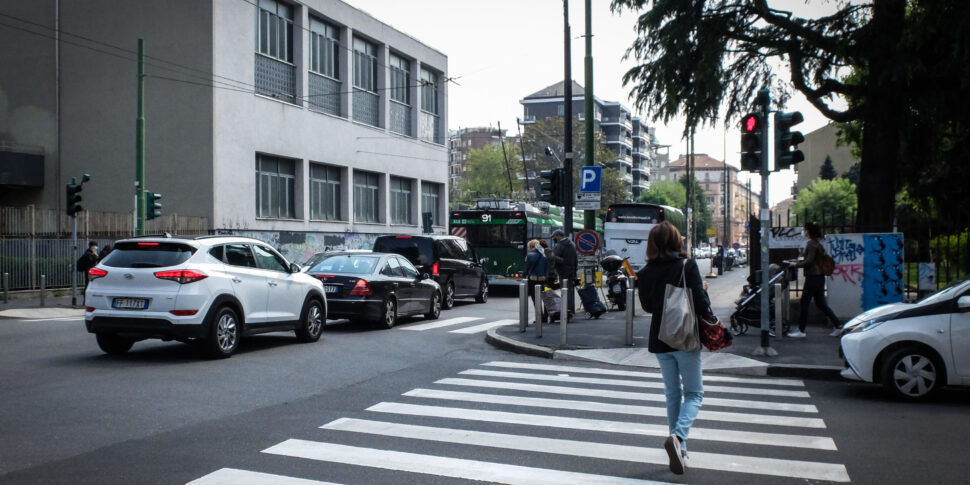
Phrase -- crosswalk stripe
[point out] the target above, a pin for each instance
(630, 383)
(485, 326)
(653, 375)
(708, 434)
(234, 476)
(440, 323)
(54, 319)
(600, 407)
(712, 461)
(441, 466)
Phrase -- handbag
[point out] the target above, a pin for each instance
(678, 323)
(713, 334)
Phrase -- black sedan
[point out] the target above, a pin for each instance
(375, 287)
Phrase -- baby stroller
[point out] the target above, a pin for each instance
(748, 311)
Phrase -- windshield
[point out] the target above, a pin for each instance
(945, 293)
(148, 254)
(496, 235)
(346, 264)
(640, 215)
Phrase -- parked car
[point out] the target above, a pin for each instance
(376, 287)
(912, 349)
(317, 257)
(211, 289)
(450, 260)
(740, 257)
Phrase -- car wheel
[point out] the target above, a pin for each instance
(113, 344)
(482, 296)
(911, 373)
(434, 311)
(311, 322)
(224, 333)
(449, 300)
(389, 317)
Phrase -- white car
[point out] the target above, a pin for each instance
(210, 289)
(912, 349)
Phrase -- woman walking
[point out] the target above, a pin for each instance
(681, 371)
(814, 281)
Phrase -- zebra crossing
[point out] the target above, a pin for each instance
(605, 426)
(452, 322)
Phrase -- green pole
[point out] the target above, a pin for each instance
(589, 217)
(140, 145)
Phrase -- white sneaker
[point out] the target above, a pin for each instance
(836, 332)
(795, 334)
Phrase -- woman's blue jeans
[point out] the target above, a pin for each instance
(684, 389)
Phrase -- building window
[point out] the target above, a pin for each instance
(430, 197)
(324, 49)
(400, 201)
(366, 197)
(561, 110)
(275, 35)
(324, 192)
(429, 91)
(365, 65)
(400, 79)
(275, 184)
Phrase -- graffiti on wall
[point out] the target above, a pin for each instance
(845, 283)
(868, 271)
(299, 246)
(883, 282)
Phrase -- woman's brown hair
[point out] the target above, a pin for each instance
(664, 238)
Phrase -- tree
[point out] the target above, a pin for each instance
(827, 171)
(908, 61)
(828, 202)
(702, 213)
(665, 192)
(487, 175)
(852, 175)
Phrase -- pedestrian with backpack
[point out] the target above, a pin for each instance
(668, 266)
(814, 266)
(87, 261)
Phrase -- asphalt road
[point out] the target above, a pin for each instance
(368, 406)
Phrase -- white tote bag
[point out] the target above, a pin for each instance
(678, 324)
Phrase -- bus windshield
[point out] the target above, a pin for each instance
(496, 235)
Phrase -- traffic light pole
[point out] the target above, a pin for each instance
(140, 209)
(764, 98)
(74, 257)
(589, 217)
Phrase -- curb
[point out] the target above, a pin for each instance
(818, 372)
(512, 345)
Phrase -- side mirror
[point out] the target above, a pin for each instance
(963, 302)
(294, 268)
(424, 276)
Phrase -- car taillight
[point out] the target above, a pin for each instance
(361, 288)
(323, 276)
(89, 309)
(434, 269)
(181, 276)
(95, 273)
(183, 313)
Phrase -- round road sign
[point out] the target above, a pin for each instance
(587, 242)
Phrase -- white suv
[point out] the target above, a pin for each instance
(211, 289)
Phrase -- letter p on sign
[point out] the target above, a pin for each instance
(590, 179)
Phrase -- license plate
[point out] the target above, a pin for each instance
(330, 289)
(616, 288)
(130, 303)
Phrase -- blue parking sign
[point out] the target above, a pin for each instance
(590, 179)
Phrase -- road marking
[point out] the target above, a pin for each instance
(54, 319)
(441, 323)
(635, 396)
(234, 476)
(601, 407)
(484, 327)
(441, 466)
(631, 383)
(707, 434)
(712, 461)
(651, 375)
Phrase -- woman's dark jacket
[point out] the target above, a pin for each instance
(535, 266)
(813, 258)
(552, 260)
(652, 281)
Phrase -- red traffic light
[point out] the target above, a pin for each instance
(751, 123)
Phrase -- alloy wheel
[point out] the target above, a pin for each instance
(226, 332)
(914, 375)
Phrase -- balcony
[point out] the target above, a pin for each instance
(529, 120)
(620, 140)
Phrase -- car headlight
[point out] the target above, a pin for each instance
(866, 325)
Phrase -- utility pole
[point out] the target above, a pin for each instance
(140, 145)
(567, 163)
(508, 169)
(690, 197)
(589, 216)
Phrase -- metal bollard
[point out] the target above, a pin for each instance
(629, 316)
(563, 311)
(776, 290)
(43, 289)
(538, 304)
(523, 305)
(6, 287)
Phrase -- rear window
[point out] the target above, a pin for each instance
(347, 264)
(148, 254)
(418, 250)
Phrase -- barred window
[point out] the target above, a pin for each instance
(429, 91)
(274, 37)
(275, 183)
(366, 197)
(365, 65)
(400, 201)
(400, 79)
(430, 200)
(324, 192)
(324, 49)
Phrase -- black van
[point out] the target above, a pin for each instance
(450, 260)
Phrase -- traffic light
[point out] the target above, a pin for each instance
(752, 135)
(73, 198)
(787, 141)
(550, 189)
(153, 208)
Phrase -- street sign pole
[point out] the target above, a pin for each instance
(764, 98)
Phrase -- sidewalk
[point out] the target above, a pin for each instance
(29, 307)
(603, 340)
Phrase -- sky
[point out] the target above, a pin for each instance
(500, 51)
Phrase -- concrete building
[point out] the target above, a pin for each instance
(818, 145)
(635, 143)
(742, 199)
(279, 119)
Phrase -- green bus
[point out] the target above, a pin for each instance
(499, 231)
